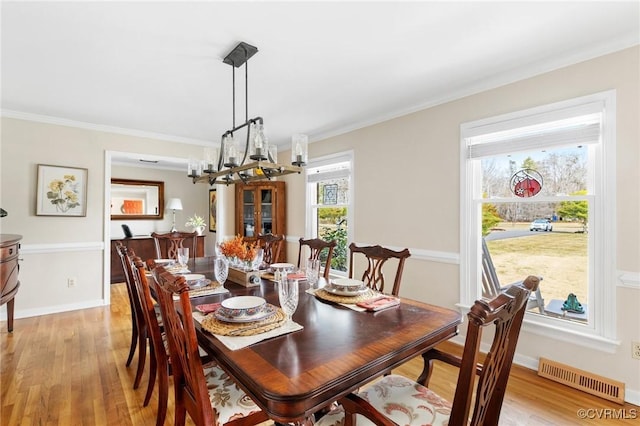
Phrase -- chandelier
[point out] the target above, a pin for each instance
(259, 159)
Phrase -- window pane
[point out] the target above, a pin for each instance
(563, 171)
(332, 225)
(333, 192)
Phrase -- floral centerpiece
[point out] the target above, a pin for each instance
(197, 223)
(244, 253)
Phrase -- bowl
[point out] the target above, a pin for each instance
(164, 262)
(347, 285)
(195, 280)
(241, 307)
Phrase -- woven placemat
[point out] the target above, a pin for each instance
(325, 295)
(215, 326)
(203, 291)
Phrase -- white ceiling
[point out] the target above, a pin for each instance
(323, 68)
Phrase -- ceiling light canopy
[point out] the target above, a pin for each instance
(257, 160)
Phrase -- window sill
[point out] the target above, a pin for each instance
(554, 329)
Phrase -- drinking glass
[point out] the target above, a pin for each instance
(221, 269)
(183, 257)
(312, 271)
(288, 295)
(257, 261)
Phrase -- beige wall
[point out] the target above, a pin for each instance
(407, 189)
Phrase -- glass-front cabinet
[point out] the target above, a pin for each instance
(260, 209)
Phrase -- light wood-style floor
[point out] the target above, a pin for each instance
(69, 369)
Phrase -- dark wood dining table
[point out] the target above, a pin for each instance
(339, 349)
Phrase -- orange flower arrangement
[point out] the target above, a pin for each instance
(238, 248)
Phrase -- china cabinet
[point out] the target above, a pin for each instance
(261, 209)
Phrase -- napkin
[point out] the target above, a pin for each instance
(207, 308)
(379, 303)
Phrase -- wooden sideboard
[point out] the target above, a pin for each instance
(9, 267)
(145, 248)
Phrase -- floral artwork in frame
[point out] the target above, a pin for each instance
(213, 200)
(62, 191)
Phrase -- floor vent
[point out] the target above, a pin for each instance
(581, 380)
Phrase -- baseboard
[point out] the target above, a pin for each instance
(28, 313)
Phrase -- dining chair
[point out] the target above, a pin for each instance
(376, 257)
(167, 244)
(158, 356)
(138, 323)
(271, 246)
(316, 247)
(491, 285)
(397, 400)
(206, 392)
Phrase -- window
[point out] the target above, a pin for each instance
(539, 187)
(329, 205)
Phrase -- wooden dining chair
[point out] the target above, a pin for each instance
(207, 393)
(158, 356)
(167, 244)
(397, 400)
(376, 257)
(316, 247)
(491, 285)
(138, 323)
(271, 246)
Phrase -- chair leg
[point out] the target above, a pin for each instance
(163, 394)
(142, 356)
(153, 366)
(134, 338)
(10, 305)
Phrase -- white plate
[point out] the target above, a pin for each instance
(348, 282)
(164, 261)
(266, 312)
(281, 265)
(340, 292)
(193, 277)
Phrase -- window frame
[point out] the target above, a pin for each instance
(600, 332)
(311, 200)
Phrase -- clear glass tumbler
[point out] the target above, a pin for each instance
(183, 257)
(312, 271)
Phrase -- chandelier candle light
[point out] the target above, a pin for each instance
(259, 160)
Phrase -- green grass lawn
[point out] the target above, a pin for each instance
(559, 257)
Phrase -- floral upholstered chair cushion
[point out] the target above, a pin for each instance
(229, 401)
(401, 400)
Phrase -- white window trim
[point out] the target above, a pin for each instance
(600, 333)
(322, 161)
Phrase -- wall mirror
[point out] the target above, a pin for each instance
(136, 199)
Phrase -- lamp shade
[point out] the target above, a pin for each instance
(174, 204)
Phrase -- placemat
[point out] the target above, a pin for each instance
(223, 328)
(347, 300)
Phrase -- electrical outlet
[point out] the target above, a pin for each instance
(71, 282)
(635, 350)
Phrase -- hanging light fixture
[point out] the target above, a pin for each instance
(258, 159)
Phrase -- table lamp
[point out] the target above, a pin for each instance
(174, 204)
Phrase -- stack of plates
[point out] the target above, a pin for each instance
(196, 280)
(164, 262)
(346, 287)
(244, 309)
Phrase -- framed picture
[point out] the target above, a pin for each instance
(62, 191)
(213, 208)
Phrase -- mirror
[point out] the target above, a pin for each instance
(136, 199)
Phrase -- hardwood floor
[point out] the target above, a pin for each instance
(69, 369)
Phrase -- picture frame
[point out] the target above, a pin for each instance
(213, 209)
(61, 191)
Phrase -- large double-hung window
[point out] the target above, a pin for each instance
(538, 189)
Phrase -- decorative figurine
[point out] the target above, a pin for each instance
(572, 305)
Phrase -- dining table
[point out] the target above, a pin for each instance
(336, 350)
